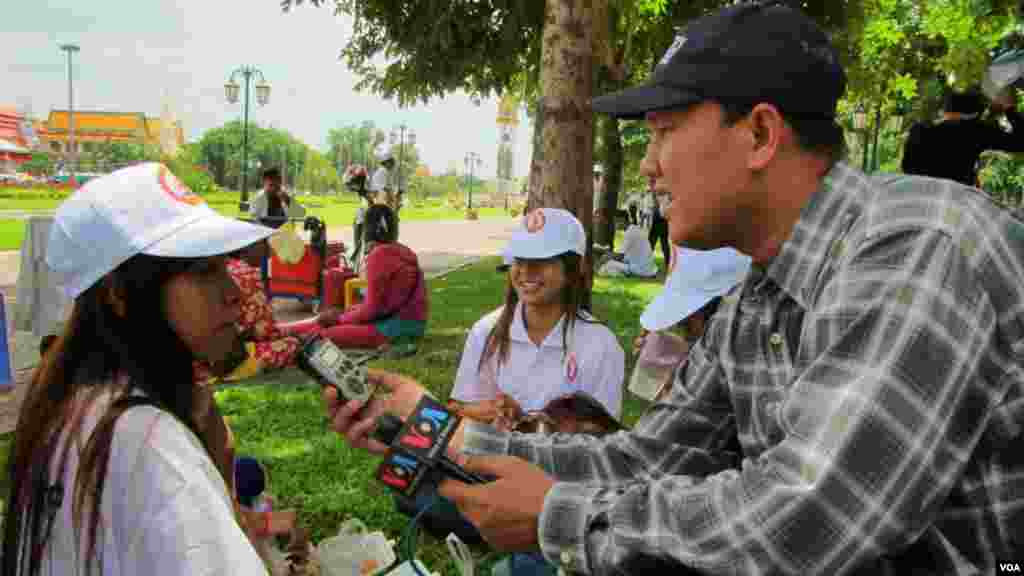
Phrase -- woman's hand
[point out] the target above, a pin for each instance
(510, 413)
(481, 411)
(356, 420)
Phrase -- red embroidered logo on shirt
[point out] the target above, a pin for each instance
(535, 221)
(571, 368)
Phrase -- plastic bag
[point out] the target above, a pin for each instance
(287, 245)
(354, 551)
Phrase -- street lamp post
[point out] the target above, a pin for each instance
(398, 136)
(71, 49)
(860, 120)
(472, 159)
(231, 89)
(878, 128)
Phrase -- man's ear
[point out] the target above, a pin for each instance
(113, 295)
(766, 127)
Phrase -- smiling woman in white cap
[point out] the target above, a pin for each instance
(108, 475)
(540, 345)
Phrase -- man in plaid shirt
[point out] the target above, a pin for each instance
(856, 405)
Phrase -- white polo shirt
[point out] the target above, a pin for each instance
(380, 180)
(535, 375)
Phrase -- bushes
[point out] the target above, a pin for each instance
(197, 178)
(36, 191)
(1002, 176)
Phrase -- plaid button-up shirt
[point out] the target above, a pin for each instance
(854, 406)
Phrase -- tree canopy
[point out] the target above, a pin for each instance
(220, 150)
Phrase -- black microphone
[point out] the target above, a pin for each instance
(388, 427)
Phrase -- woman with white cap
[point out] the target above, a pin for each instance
(697, 280)
(108, 474)
(541, 344)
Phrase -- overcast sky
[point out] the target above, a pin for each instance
(135, 54)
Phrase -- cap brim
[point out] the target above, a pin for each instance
(209, 236)
(635, 103)
(669, 309)
(698, 278)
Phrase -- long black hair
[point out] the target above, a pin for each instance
(380, 224)
(572, 307)
(96, 348)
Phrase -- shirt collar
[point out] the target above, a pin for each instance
(817, 236)
(517, 332)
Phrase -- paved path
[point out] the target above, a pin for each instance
(440, 245)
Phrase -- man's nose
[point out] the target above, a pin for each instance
(649, 165)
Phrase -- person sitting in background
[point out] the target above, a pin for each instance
(274, 206)
(263, 344)
(396, 306)
(637, 256)
(540, 344)
(696, 281)
(950, 149)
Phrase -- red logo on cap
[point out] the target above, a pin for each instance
(535, 221)
(175, 189)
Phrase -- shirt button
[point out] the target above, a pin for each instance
(952, 216)
(566, 558)
(771, 409)
(775, 340)
(837, 249)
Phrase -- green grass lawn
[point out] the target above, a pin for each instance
(12, 232)
(311, 468)
(334, 211)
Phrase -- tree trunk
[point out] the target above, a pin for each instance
(605, 230)
(567, 81)
(536, 177)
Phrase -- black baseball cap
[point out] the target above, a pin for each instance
(746, 53)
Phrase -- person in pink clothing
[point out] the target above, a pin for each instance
(396, 305)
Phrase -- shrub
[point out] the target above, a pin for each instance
(195, 177)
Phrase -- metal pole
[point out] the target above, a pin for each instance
(864, 155)
(401, 154)
(243, 206)
(71, 120)
(71, 49)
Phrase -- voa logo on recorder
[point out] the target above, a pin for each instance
(1008, 567)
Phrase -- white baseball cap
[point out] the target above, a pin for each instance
(695, 278)
(383, 153)
(545, 233)
(143, 209)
